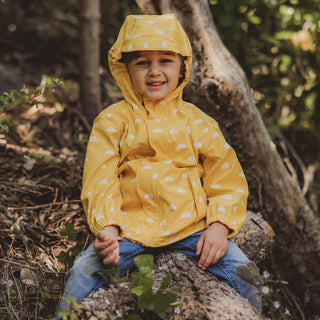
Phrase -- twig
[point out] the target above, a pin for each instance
(55, 197)
(310, 287)
(306, 175)
(19, 293)
(289, 296)
(8, 294)
(82, 117)
(85, 243)
(43, 205)
(286, 158)
(31, 268)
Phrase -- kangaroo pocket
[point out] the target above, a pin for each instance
(181, 197)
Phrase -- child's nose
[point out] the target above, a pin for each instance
(154, 69)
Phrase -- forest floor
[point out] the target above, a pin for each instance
(40, 180)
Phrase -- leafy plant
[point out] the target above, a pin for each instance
(25, 96)
(67, 257)
(71, 312)
(113, 274)
(148, 299)
(157, 301)
(46, 159)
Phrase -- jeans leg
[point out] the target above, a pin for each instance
(82, 278)
(225, 268)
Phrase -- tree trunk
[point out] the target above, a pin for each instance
(90, 87)
(219, 86)
(203, 295)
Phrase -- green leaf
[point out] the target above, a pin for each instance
(138, 290)
(70, 312)
(4, 127)
(145, 276)
(285, 64)
(68, 231)
(145, 260)
(145, 300)
(283, 35)
(163, 301)
(254, 19)
(134, 277)
(75, 250)
(113, 274)
(177, 304)
(165, 282)
(65, 258)
(159, 301)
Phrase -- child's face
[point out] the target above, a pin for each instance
(155, 74)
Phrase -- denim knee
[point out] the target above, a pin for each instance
(226, 269)
(229, 266)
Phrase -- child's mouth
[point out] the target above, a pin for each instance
(156, 84)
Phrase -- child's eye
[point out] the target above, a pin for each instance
(165, 60)
(142, 63)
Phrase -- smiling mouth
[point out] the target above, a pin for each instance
(156, 83)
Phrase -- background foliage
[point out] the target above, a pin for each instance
(277, 44)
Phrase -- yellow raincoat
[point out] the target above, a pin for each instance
(160, 170)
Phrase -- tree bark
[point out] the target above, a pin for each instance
(219, 86)
(90, 87)
(202, 294)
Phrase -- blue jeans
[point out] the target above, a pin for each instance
(81, 280)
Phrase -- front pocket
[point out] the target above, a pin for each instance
(199, 196)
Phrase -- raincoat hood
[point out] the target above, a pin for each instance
(148, 32)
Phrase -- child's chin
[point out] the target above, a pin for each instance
(155, 97)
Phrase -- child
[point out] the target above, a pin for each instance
(158, 172)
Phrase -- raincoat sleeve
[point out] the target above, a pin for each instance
(224, 181)
(100, 194)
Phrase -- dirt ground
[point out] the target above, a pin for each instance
(40, 179)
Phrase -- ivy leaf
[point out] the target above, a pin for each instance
(65, 258)
(76, 249)
(68, 231)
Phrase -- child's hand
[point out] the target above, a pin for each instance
(212, 245)
(106, 245)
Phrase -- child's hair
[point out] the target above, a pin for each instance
(127, 57)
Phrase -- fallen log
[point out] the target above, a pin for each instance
(202, 295)
(256, 238)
